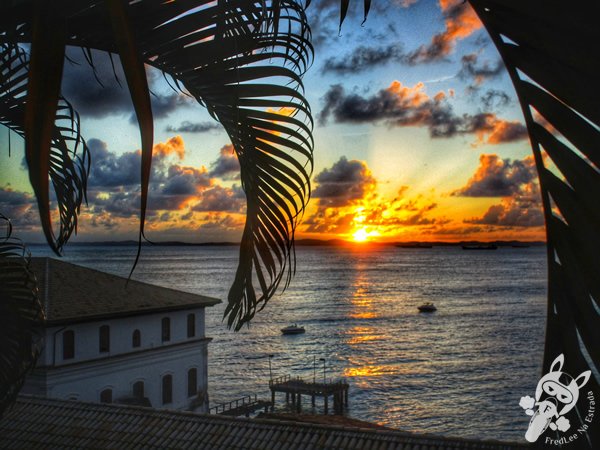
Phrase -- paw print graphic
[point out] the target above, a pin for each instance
(563, 424)
(527, 403)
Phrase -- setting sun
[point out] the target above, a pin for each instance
(361, 235)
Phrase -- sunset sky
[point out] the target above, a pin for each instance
(418, 136)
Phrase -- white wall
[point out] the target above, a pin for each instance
(89, 372)
(85, 381)
(121, 332)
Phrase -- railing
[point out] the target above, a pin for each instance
(281, 379)
(288, 378)
(244, 401)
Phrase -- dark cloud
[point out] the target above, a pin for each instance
(226, 166)
(113, 185)
(523, 209)
(196, 127)
(494, 99)
(217, 223)
(222, 199)
(363, 58)
(404, 106)
(497, 177)
(345, 182)
(479, 72)
(110, 171)
(19, 207)
(92, 99)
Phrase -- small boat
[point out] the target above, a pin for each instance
(480, 247)
(293, 329)
(427, 307)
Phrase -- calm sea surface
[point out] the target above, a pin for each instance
(460, 371)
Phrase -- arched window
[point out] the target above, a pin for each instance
(136, 338)
(192, 382)
(167, 389)
(106, 396)
(166, 329)
(68, 344)
(104, 339)
(138, 389)
(191, 325)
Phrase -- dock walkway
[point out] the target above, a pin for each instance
(241, 407)
(295, 388)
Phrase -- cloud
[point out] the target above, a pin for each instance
(112, 171)
(460, 22)
(478, 73)
(226, 166)
(220, 226)
(403, 106)
(19, 207)
(92, 99)
(363, 58)
(521, 210)
(494, 99)
(222, 199)
(347, 202)
(342, 184)
(193, 127)
(496, 177)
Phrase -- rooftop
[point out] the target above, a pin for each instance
(71, 293)
(36, 423)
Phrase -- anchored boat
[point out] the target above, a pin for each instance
(293, 329)
(427, 307)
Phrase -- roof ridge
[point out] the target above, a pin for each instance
(190, 416)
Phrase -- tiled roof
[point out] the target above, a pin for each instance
(36, 423)
(72, 293)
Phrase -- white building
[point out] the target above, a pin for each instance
(107, 340)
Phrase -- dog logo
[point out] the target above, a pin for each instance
(556, 394)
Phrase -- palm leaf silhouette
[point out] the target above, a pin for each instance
(20, 316)
(243, 60)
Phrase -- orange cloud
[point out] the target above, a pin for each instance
(493, 130)
(409, 96)
(460, 21)
(175, 145)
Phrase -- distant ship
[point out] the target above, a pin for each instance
(520, 246)
(480, 247)
(417, 245)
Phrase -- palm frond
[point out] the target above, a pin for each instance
(243, 60)
(68, 159)
(20, 316)
(553, 62)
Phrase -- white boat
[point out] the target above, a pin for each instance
(293, 329)
(427, 307)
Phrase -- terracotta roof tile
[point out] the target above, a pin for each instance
(49, 423)
(71, 293)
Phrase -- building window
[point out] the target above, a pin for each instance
(136, 339)
(138, 389)
(104, 336)
(68, 344)
(191, 325)
(192, 382)
(167, 389)
(106, 396)
(166, 329)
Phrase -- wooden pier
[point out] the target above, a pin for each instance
(241, 407)
(295, 388)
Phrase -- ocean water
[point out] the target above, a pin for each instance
(457, 372)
